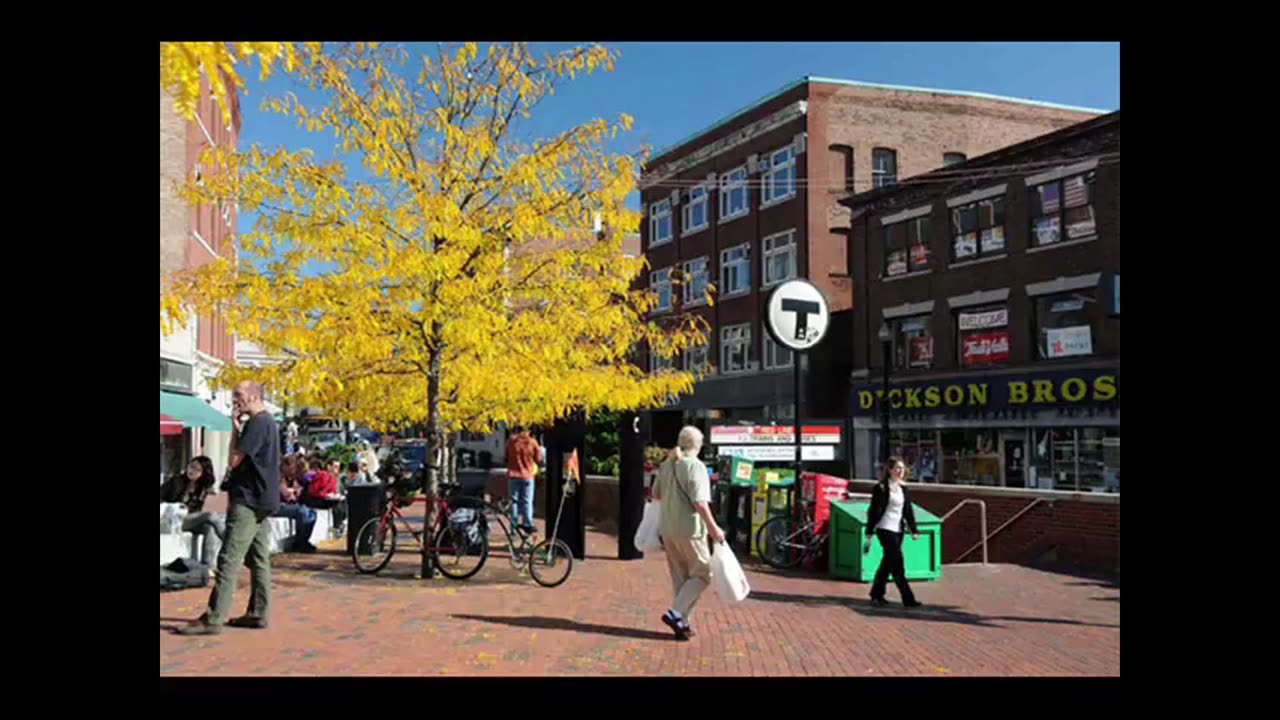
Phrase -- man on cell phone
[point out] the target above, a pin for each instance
(253, 490)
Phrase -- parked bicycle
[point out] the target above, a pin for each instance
(785, 541)
(548, 562)
(459, 539)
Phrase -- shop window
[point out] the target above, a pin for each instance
(1053, 456)
(1098, 453)
(912, 342)
(906, 246)
(1064, 325)
(970, 457)
(1063, 204)
(977, 230)
(983, 336)
(919, 450)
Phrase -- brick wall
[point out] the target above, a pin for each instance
(1064, 533)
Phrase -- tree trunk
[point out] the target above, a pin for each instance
(433, 452)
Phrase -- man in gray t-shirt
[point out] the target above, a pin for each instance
(684, 489)
(253, 494)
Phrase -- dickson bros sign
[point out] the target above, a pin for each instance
(1088, 387)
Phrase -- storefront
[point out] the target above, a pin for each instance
(1052, 430)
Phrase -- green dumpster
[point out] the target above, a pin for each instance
(922, 558)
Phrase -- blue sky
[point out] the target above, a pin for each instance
(675, 89)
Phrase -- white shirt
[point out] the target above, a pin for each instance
(892, 518)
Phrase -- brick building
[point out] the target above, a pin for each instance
(753, 200)
(997, 283)
(189, 238)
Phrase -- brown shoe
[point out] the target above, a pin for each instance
(200, 627)
(248, 621)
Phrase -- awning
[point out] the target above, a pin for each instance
(169, 426)
(193, 412)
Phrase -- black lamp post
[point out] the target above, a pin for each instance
(886, 344)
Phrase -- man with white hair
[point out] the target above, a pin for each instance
(684, 489)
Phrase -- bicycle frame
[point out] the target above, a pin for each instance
(442, 516)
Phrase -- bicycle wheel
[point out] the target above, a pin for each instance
(460, 550)
(374, 545)
(782, 542)
(550, 562)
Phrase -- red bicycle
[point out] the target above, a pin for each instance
(459, 548)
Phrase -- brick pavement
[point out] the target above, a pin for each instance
(328, 620)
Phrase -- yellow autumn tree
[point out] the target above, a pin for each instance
(182, 64)
(455, 278)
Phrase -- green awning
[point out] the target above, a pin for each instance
(193, 412)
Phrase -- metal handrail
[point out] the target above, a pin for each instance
(1006, 524)
(982, 506)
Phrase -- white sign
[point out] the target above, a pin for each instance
(984, 320)
(778, 453)
(1071, 341)
(797, 315)
(773, 434)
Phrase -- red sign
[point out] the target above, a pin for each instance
(921, 351)
(985, 348)
(773, 434)
(919, 255)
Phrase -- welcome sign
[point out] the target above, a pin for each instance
(1029, 391)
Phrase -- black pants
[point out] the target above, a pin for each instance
(891, 564)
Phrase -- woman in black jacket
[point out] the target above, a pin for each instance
(890, 513)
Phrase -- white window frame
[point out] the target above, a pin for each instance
(771, 248)
(691, 297)
(657, 364)
(878, 175)
(700, 195)
(726, 190)
(772, 349)
(726, 289)
(658, 278)
(657, 211)
(731, 337)
(691, 355)
(776, 166)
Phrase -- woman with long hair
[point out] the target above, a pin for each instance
(890, 514)
(191, 488)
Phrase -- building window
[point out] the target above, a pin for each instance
(733, 194)
(983, 334)
(1062, 204)
(779, 257)
(695, 212)
(695, 281)
(952, 158)
(775, 355)
(660, 364)
(660, 283)
(1064, 325)
(970, 457)
(1076, 459)
(906, 246)
(977, 230)
(884, 167)
(912, 342)
(696, 358)
(735, 270)
(660, 223)
(779, 180)
(735, 349)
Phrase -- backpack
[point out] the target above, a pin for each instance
(182, 574)
(472, 522)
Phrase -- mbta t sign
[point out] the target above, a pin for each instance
(796, 315)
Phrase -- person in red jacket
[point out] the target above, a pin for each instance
(324, 485)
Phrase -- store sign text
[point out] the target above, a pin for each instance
(1021, 391)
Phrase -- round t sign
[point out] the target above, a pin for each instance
(797, 315)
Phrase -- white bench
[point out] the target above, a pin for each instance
(185, 545)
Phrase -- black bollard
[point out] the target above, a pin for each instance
(632, 431)
(561, 440)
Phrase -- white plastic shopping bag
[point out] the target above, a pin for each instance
(647, 539)
(727, 576)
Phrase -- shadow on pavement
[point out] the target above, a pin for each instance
(546, 623)
(929, 613)
(1114, 598)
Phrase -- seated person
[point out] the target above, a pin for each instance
(322, 493)
(191, 488)
(291, 470)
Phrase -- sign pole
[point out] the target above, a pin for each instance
(799, 415)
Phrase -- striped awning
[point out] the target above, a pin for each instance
(169, 426)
